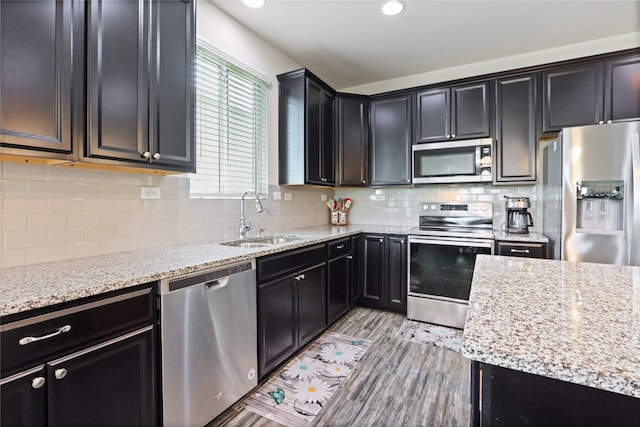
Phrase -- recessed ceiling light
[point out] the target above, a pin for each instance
(255, 4)
(392, 8)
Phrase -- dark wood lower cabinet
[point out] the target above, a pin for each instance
(505, 397)
(109, 384)
(384, 272)
(23, 399)
(312, 311)
(521, 249)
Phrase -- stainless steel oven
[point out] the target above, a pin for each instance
(442, 254)
(453, 161)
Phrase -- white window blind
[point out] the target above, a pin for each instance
(231, 128)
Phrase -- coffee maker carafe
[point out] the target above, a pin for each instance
(518, 219)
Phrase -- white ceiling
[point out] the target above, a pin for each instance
(349, 42)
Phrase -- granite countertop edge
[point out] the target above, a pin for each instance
(43, 285)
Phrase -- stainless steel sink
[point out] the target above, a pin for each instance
(260, 242)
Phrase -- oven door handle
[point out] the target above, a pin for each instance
(453, 242)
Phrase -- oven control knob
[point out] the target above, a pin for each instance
(484, 206)
(474, 207)
(433, 207)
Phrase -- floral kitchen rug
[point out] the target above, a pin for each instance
(426, 333)
(297, 393)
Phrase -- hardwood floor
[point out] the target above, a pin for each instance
(396, 383)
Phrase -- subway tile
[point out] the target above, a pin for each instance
(25, 205)
(128, 205)
(83, 219)
(24, 239)
(40, 254)
(46, 221)
(48, 189)
(83, 249)
(98, 234)
(115, 191)
(65, 174)
(99, 205)
(13, 257)
(114, 218)
(23, 172)
(66, 236)
(84, 190)
(16, 222)
(14, 188)
(66, 205)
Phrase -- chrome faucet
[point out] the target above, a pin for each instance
(243, 226)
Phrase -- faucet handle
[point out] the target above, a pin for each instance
(259, 229)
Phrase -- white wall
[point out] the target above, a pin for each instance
(594, 47)
(233, 39)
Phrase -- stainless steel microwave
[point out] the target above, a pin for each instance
(453, 162)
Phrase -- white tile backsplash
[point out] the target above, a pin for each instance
(50, 213)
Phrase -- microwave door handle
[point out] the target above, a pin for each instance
(478, 156)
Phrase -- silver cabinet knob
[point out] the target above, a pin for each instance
(453, 135)
(381, 240)
(364, 182)
(156, 156)
(448, 136)
(349, 257)
(60, 373)
(146, 155)
(37, 382)
(609, 122)
(601, 122)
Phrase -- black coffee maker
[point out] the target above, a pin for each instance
(518, 219)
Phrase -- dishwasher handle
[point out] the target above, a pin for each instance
(218, 283)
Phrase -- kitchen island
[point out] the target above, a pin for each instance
(553, 343)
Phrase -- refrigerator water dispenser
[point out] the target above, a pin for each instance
(600, 207)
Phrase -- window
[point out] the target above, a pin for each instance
(231, 128)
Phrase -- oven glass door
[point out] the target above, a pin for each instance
(443, 268)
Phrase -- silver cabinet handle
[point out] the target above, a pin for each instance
(28, 340)
(156, 156)
(37, 382)
(60, 373)
(340, 247)
(520, 251)
(300, 277)
(609, 121)
(349, 256)
(146, 155)
(601, 122)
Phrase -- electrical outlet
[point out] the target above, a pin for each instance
(323, 198)
(277, 195)
(150, 193)
(288, 196)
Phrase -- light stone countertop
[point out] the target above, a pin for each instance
(42, 285)
(532, 237)
(576, 322)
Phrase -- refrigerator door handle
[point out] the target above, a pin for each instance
(635, 171)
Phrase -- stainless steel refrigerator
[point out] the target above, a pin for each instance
(591, 194)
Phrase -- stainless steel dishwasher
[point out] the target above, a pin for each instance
(209, 342)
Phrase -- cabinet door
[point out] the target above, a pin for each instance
(390, 121)
(172, 102)
(313, 152)
(113, 383)
(41, 68)
(338, 287)
(277, 329)
(23, 399)
(357, 269)
(516, 143)
(327, 146)
(470, 106)
(572, 96)
(433, 115)
(396, 278)
(312, 305)
(117, 79)
(352, 141)
(622, 89)
(373, 264)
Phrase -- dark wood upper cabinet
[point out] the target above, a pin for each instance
(572, 96)
(516, 152)
(390, 130)
(140, 87)
(593, 93)
(41, 64)
(306, 130)
(353, 147)
(622, 89)
(458, 112)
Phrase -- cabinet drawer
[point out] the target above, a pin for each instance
(45, 336)
(339, 248)
(274, 266)
(531, 250)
